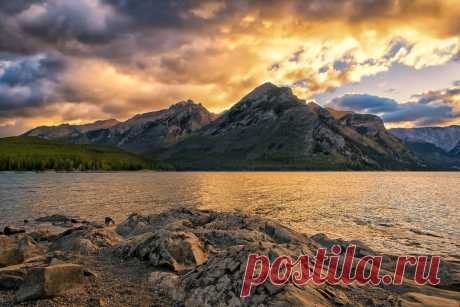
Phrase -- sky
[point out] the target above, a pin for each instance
(66, 61)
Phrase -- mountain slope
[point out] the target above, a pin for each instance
(144, 132)
(153, 131)
(434, 157)
(33, 153)
(455, 151)
(66, 131)
(445, 138)
(270, 128)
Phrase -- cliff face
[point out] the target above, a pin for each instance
(445, 138)
(271, 128)
(143, 132)
(153, 131)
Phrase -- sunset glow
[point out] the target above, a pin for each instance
(80, 61)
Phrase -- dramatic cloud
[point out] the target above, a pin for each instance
(27, 82)
(59, 21)
(74, 60)
(435, 107)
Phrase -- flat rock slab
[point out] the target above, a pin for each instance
(422, 300)
(51, 281)
(16, 250)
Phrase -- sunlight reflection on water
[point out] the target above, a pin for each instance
(390, 211)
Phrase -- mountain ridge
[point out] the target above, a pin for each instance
(269, 128)
(445, 138)
(142, 131)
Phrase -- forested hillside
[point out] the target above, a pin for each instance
(32, 153)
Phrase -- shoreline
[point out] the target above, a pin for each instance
(184, 256)
(234, 171)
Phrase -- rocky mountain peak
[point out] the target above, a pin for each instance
(267, 90)
(185, 104)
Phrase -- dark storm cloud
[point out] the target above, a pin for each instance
(354, 10)
(28, 70)
(427, 110)
(27, 82)
(160, 13)
(16, 6)
(57, 21)
(365, 103)
(81, 27)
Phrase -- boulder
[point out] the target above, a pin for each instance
(218, 282)
(135, 224)
(45, 233)
(361, 248)
(12, 277)
(9, 230)
(176, 250)
(9, 253)
(10, 282)
(16, 250)
(85, 240)
(28, 247)
(109, 221)
(51, 281)
(56, 218)
(168, 283)
(208, 253)
(281, 234)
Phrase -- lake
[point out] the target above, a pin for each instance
(396, 212)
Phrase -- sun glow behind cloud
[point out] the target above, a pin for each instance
(112, 58)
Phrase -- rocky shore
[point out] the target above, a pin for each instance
(181, 257)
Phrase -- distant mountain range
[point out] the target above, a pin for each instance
(445, 138)
(268, 129)
(140, 134)
(66, 131)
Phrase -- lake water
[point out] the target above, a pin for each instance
(394, 212)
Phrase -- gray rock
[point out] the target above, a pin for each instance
(9, 254)
(56, 218)
(16, 250)
(109, 221)
(85, 240)
(135, 224)
(9, 230)
(412, 299)
(177, 250)
(51, 281)
(10, 282)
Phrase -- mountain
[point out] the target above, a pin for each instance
(144, 132)
(434, 157)
(445, 138)
(69, 131)
(33, 153)
(271, 128)
(455, 151)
